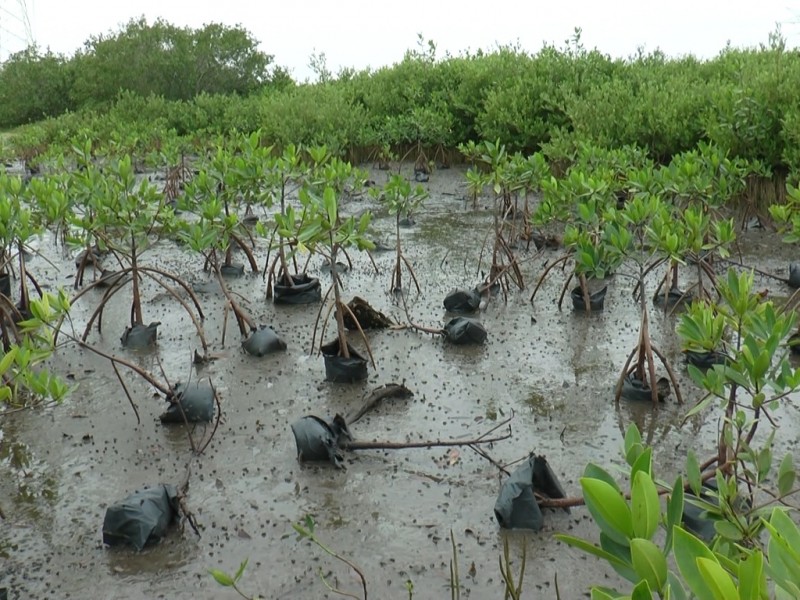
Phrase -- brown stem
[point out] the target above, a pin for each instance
(547, 270)
(247, 251)
(585, 292)
(337, 302)
(136, 305)
(377, 445)
(127, 393)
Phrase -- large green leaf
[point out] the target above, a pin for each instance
(717, 579)
(633, 444)
(623, 553)
(594, 472)
(687, 549)
(649, 563)
(609, 509)
(693, 472)
(644, 462)
(674, 512)
(645, 505)
(642, 591)
(592, 549)
(752, 582)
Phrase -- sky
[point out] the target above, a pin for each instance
(362, 33)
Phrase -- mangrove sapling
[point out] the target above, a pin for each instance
(231, 581)
(306, 531)
(402, 199)
(17, 228)
(85, 188)
(583, 204)
(502, 180)
(228, 180)
(286, 171)
(210, 236)
(629, 532)
(638, 233)
(325, 232)
(126, 217)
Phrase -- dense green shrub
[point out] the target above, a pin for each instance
(126, 91)
(34, 86)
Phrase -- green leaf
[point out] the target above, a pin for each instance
(719, 582)
(241, 569)
(728, 530)
(645, 506)
(643, 463)
(693, 472)
(221, 577)
(786, 472)
(633, 444)
(609, 509)
(592, 549)
(674, 512)
(642, 591)
(594, 472)
(700, 406)
(7, 359)
(649, 563)
(752, 582)
(687, 550)
(675, 587)
(601, 594)
(329, 202)
(787, 529)
(623, 553)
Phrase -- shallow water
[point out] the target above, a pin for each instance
(390, 512)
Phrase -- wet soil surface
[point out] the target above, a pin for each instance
(391, 512)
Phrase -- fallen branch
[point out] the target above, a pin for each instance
(377, 445)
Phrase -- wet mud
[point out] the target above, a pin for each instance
(390, 512)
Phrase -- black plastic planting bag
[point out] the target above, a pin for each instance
(635, 389)
(462, 330)
(197, 402)
(516, 506)
(794, 275)
(142, 518)
(232, 270)
(597, 299)
(339, 369)
(318, 440)
(306, 290)
(263, 341)
(673, 298)
(462, 301)
(705, 360)
(140, 336)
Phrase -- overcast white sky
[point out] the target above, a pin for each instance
(362, 33)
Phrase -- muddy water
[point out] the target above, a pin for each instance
(390, 512)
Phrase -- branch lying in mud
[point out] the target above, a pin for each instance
(482, 439)
(356, 445)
